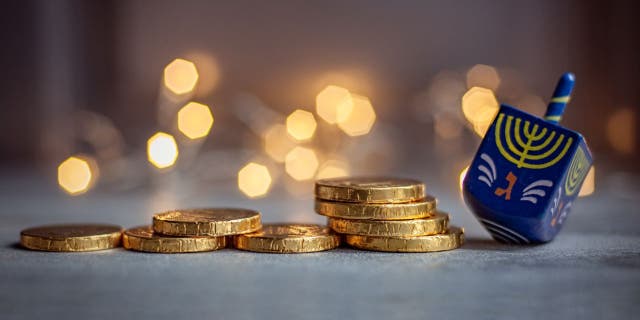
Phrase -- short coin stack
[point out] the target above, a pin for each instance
(182, 231)
(383, 214)
(211, 229)
(191, 230)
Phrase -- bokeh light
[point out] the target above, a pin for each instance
(277, 142)
(301, 125)
(461, 177)
(480, 106)
(330, 99)
(589, 184)
(333, 169)
(447, 125)
(301, 163)
(77, 174)
(195, 120)
(180, 76)
(359, 119)
(621, 131)
(482, 75)
(162, 150)
(209, 71)
(254, 180)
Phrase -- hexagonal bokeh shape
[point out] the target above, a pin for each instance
(359, 119)
(162, 150)
(180, 76)
(254, 180)
(329, 100)
(301, 163)
(301, 125)
(195, 120)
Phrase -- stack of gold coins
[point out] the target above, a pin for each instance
(198, 230)
(191, 230)
(383, 214)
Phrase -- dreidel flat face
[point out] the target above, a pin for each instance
(525, 176)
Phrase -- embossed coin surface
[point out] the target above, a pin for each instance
(288, 238)
(212, 222)
(379, 211)
(72, 237)
(399, 228)
(370, 190)
(452, 239)
(144, 239)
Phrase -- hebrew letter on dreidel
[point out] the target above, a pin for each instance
(512, 181)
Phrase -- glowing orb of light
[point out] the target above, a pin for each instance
(589, 184)
(480, 106)
(254, 180)
(484, 76)
(162, 150)
(277, 142)
(329, 100)
(301, 163)
(301, 125)
(359, 119)
(463, 174)
(195, 120)
(75, 175)
(180, 76)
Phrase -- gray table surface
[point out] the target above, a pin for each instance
(591, 270)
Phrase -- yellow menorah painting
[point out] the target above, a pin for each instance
(577, 171)
(527, 146)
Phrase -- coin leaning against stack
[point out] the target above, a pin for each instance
(385, 214)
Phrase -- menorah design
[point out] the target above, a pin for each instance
(534, 151)
(578, 169)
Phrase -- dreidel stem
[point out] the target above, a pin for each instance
(560, 98)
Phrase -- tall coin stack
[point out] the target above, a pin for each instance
(382, 214)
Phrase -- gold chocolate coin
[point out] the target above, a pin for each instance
(397, 211)
(72, 237)
(392, 228)
(288, 238)
(370, 190)
(144, 239)
(452, 239)
(214, 222)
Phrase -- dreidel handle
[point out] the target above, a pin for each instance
(560, 98)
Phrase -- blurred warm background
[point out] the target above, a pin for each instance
(263, 97)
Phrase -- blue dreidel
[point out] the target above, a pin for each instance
(527, 172)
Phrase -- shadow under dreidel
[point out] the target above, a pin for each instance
(484, 244)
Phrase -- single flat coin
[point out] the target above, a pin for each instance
(452, 239)
(392, 228)
(379, 211)
(370, 190)
(144, 239)
(71, 237)
(214, 222)
(288, 238)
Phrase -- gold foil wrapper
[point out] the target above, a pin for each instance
(452, 239)
(72, 237)
(288, 238)
(370, 190)
(213, 222)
